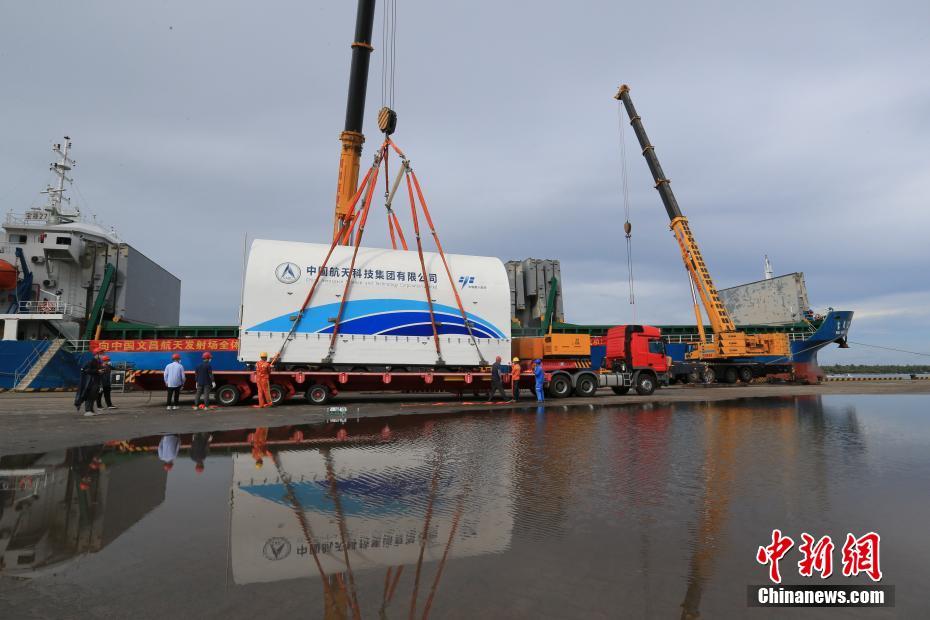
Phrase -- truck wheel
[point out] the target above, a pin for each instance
(620, 390)
(560, 386)
(318, 394)
(645, 383)
(730, 375)
(586, 385)
(708, 376)
(227, 395)
(278, 393)
(745, 374)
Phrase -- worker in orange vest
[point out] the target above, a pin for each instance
(263, 380)
(515, 371)
(259, 441)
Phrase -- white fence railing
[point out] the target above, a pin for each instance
(50, 306)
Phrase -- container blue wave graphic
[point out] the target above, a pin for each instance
(383, 317)
(366, 495)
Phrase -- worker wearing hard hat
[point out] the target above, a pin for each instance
(515, 371)
(200, 448)
(90, 384)
(174, 381)
(263, 370)
(259, 441)
(168, 448)
(106, 370)
(204, 382)
(540, 379)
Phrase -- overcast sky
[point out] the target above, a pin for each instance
(794, 129)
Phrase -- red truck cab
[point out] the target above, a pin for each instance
(637, 349)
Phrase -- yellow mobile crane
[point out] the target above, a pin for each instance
(729, 346)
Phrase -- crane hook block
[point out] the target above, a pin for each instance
(387, 120)
(627, 228)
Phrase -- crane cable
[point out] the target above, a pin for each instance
(627, 226)
(388, 65)
(389, 57)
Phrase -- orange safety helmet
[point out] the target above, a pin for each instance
(176, 356)
(263, 355)
(207, 355)
(105, 358)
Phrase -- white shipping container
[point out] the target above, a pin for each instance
(386, 317)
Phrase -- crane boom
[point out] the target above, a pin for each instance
(352, 137)
(728, 342)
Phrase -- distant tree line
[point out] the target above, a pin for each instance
(906, 369)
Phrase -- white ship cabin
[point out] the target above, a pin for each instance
(67, 266)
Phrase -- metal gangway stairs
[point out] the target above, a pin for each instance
(35, 364)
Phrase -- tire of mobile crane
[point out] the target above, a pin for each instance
(645, 383)
(730, 375)
(586, 386)
(708, 376)
(745, 374)
(278, 393)
(227, 395)
(692, 377)
(560, 386)
(318, 394)
(620, 390)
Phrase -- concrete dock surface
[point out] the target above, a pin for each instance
(33, 422)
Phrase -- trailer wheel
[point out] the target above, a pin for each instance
(227, 395)
(586, 385)
(560, 386)
(620, 390)
(745, 374)
(318, 394)
(278, 393)
(730, 375)
(645, 383)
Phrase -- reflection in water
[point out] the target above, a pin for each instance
(650, 509)
(326, 513)
(58, 505)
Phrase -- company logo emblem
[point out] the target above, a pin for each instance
(276, 548)
(466, 280)
(287, 273)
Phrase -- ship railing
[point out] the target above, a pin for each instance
(692, 338)
(27, 365)
(685, 338)
(79, 346)
(50, 306)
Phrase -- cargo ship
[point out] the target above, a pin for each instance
(63, 275)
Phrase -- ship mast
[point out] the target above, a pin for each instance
(56, 193)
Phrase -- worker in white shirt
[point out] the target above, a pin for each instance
(174, 381)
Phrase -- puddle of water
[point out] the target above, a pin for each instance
(642, 511)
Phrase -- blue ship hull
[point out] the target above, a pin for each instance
(833, 329)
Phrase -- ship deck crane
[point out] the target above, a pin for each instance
(728, 342)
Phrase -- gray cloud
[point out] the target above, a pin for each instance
(793, 129)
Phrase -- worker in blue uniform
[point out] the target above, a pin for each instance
(540, 379)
